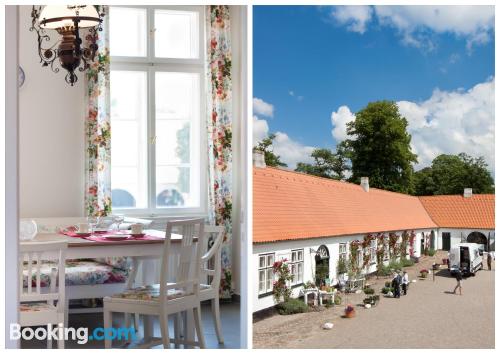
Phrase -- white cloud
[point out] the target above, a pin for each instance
(262, 107)
(339, 122)
(416, 24)
(355, 17)
(449, 122)
(260, 130)
(290, 151)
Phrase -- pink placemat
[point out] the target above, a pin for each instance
(99, 236)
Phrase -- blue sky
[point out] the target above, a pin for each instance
(310, 61)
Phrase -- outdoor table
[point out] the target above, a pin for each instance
(308, 291)
(327, 293)
(355, 284)
(138, 249)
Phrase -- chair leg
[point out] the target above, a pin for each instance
(107, 324)
(216, 318)
(136, 322)
(199, 327)
(177, 334)
(165, 336)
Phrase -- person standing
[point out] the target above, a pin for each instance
(488, 260)
(396, 285)
(458, 277)
(406, 282)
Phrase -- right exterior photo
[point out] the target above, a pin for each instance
(373, 177)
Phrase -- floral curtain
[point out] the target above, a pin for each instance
(219, 125)
(97, 128)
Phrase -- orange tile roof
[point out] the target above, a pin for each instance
(290, 205)
(455, 211)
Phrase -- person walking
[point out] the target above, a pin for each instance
(406, 282)
(396, 282)
(458, 277)
(488, 260)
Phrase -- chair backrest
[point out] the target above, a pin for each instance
(31, 258)
(211, 260)
(187, 268)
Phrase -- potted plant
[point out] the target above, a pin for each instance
(349, 311)
(445, 261)
(424, 273)
(337, 300)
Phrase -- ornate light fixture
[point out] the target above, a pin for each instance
(67, 20)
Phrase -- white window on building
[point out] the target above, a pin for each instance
(360, 257)
(373, 251)
(343, 251)
(157, 109)
(296, 265)
(266, 275)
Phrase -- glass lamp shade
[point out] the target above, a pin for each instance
(63, 16)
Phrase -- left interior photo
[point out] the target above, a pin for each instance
(126, 139)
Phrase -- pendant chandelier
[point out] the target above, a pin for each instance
(67, 21)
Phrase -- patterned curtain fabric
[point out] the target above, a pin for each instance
(219, 125)
(97, 128)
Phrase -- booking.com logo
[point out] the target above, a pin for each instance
(81, 334)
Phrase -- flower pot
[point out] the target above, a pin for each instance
(350, 314)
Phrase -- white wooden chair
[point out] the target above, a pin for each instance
(168, 298)
(211, 271)
(36, 305)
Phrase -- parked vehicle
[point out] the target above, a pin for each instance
(466, 257)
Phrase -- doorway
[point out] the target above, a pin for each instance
(446, 237)
(322, 273)
(479, 238)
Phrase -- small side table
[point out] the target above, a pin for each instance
(308, 291)
(327, 293)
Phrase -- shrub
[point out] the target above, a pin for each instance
(372, 300)
(386, 290)
(431, 252)
(369, 291)
(337, 300)
(383, 271)
(291, 306)
(395, 265)
(407, 262)
(387, 284)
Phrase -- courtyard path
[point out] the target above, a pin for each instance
(428, 317)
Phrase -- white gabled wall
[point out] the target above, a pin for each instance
(456, 235)
(283, 249)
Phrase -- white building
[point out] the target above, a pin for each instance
(311, 221)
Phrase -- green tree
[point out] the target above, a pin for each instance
(266, 146)
(327, 163)
(379, 147)
(450, 174)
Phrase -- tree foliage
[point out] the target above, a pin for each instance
(379, 147)
(266, 146)
(450, 174)
(327, 163)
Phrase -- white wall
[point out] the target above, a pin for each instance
(457, 234)
(51, 135)
(282, 249)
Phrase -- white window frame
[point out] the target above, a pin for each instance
(151, 66)
(265, 269)
(343, 251)
(298, 277)
(373, 251)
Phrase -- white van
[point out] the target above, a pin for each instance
(466, 257)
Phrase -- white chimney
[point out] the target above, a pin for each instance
(258, 159)
(467, 192)
(365, 183)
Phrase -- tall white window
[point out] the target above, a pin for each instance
(373, 251)
(266, 275)
(157, 105)
(343, 251)
(296, 265)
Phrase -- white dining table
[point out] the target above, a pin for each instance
(138, 250)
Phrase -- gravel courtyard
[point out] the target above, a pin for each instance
(430, 316)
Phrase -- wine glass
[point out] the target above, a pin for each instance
(93, 221)
(118, 219)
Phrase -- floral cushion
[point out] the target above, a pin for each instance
(79, 272)
(117, 262)
(35, 307)
(149, 293)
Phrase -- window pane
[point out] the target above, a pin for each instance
(128, 139)
(300, 256)
(127, 32)
(270, 260)
(177, 95)
(173, 142)
(176, 34)
(294, 256)
(262, 261)
(175, 187)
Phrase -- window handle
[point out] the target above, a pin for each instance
(152, 140)
(152, 32)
